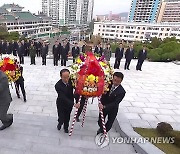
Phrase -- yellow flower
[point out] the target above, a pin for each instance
(11, 61)
(91, 78)
(78, 61)
(97, 78)
(1, 63)
(102, 64)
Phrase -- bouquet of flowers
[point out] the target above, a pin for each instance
(91, 75)
(8, 64)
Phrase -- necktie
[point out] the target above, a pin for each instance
(112, 89)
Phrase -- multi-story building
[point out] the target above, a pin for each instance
(68, 12)
(135, 31)
(169, 11)
(144, 10)
(25, 22)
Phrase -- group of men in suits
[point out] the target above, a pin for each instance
(22, 48)
(109, 101)
(61, 51)
(129, 55)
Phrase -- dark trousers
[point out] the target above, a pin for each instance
(14, 52)
(38, 52)
(63, 61)
(21, 59)
(5, 118)
(117, 63)
(63, 115)
(56, 58)
(111, 117)
(21, 85)
(43, 60)
(127, 63)
(139, 64)
(82, 102)
(27, 52)
(33, 60)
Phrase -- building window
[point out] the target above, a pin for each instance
(111, 34)
(116, 35)
(99, 25)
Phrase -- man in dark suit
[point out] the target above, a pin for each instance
(64, 54)
(56, 53)
(65, 99)
(44, 52)
(20, 52)
(118, 56)
(5, 100)
(28, 44)
(14, 47)
(67, 48)
(99, 50)
(141, 57)
(4, 47)
(75, 51)
(129, 55)
(9, 49)
(20, 83)
(110, 101)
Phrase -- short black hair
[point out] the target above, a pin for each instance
(64, 70)
(119, 75)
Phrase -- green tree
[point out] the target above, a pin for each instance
(155, 42)
(169, 39)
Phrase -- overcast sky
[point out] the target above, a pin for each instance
(100, 6)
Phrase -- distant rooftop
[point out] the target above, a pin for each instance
(7, 6)
(3, 11)
(25, 16)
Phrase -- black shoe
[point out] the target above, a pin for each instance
(25, 100)
(140, 70)
(58, 127)
(128, 69)
(6, 126)
(18, 96)
(99, 131)
(77, 119)
(66, 131)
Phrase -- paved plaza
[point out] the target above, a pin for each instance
(153, 96)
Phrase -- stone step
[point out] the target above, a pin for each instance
(31, 134)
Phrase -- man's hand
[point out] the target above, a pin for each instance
(77, 105)
(101, 106)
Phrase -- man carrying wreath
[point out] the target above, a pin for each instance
(110, 101)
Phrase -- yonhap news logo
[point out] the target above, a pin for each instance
(102, 141)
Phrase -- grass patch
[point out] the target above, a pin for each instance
(168, 148)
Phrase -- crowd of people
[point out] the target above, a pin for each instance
(61, 50)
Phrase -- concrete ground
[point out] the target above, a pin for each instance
(152, 96)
